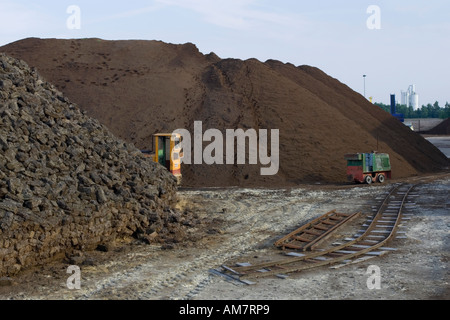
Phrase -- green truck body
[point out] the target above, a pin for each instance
(368, 167)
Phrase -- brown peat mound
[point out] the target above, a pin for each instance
(66, 183)
(138, 88)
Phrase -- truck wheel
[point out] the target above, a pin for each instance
(381, 178)
(368, 179)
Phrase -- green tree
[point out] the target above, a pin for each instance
(435, 110)
(425, 111)
(411, 112)
(428, 111)
(446, 113)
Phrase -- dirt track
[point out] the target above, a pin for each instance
(243, 224)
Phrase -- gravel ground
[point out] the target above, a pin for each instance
(242, 225)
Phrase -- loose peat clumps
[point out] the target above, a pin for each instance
(66, 182)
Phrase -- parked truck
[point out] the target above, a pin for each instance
(368, 167)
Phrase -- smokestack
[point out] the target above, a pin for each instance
(393, 104)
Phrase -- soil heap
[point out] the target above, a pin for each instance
(138, 88)
(66, 182)
(442, 129)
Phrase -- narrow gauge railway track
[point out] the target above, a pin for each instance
(379, 232)
(313, 233)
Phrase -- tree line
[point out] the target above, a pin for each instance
(428, 111)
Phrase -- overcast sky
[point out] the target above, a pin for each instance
(395, 43)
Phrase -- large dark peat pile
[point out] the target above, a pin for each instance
(66, 182)
(138, 88)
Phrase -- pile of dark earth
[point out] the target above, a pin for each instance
(67, 184)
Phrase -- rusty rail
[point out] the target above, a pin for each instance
(311, 234)
(384, 230)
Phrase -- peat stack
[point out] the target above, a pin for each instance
(66, 182)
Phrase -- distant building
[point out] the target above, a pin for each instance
(410, 97)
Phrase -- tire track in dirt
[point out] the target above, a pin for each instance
(251, 220)
(186, 279)
(252, 217)
(254, 222)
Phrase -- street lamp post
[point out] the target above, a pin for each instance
(364, 76)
